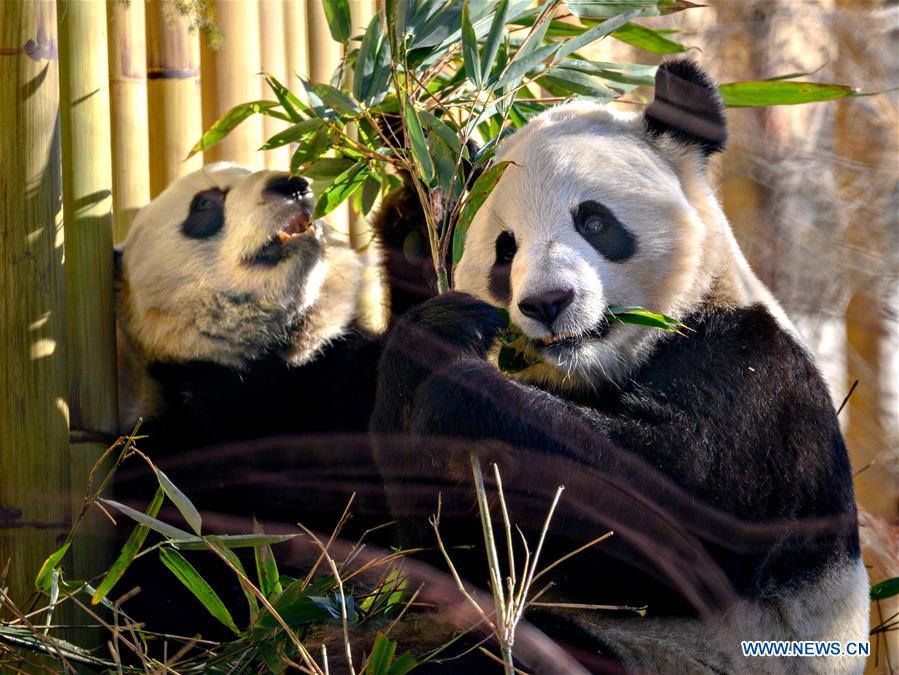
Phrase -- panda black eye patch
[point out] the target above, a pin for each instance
(500, 274)
(206, 216)
(602, 229)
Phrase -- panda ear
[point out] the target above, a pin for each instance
(687, 107)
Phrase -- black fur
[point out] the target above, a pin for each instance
(687, 107)
(206, 217)
(602, 229)
(719, 464)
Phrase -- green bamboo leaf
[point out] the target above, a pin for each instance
(228, 122)
(164, 529)
(312, 150)
(494, 38)
(328, 168)
(447, 134)
(885, 589)
(596, 9)
(518, 68)
(341, 189)
(242, 578)
(643, 317)
(470, 48)
(231, 541)
(646, 38)
(129, 551)
(365, 59)
(293, 134)
(780, 92)
(595, 33)
(188, 575)
(291, 104)
(371, 188)
(336, 99)
(565, 80)
(44, 579)
(404, 664)
(419, 145)
(337, 13)
(266, 568)
(185, 507)
(481, 189)
(382, 652)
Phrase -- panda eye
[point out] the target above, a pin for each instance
(592, 225)
(505, 248)
(601, 228)
(206, 216)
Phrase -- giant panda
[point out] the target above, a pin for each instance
(243, 352)
(714, 454)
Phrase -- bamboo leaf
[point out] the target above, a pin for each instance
(231, 541)
(381, 655)
(518, 68)
(404, 664)
(337, 13)
(595, 33)
(419, 145)
(242, 578)
(646, 38)
(365, 59)
(266, 568)
(312, 150)
(188, 575)
(185, 507)
(481, 189)
(371, 188)
(292, 134)
(341, 189)
(885, 589)
(291, 104)
(470, 48)
(447, 134)
(44, 579)
(494, 38)
(780, 92)
(129, 551)
(228, 122)
(336, 99)
(593, 9)
(163, 528)
(643, 317)
(564, 80)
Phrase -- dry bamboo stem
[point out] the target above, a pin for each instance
(173, 94)
(34, 458)
(87, 204)
(128, 104)
(230, 76)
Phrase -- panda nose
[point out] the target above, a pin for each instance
(546, 306)
(293, 187)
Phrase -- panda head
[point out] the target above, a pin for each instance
(601, 208)
(227, 266)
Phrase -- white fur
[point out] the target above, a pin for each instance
(686, 252)
(181, 298)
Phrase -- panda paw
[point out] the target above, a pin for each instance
(460, 321)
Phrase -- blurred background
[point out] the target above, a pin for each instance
(812, 192)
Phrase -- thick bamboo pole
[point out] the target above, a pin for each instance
(87, 204)
(295, 31)
(230, 76)
(128, 104)
(273, 52)
(34, 417)
(173, 94)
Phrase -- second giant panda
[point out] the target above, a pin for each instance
(714, 455)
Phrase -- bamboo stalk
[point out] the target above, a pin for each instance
(128, 108)
(87, 203)
(173, 95)
(296, 23)
(230, 76)
(34, 417)
(273, 52)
